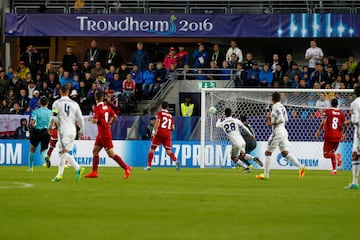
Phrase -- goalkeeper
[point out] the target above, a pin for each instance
(231, 127)
(250, 144)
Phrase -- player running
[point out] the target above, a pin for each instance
(68, 114)
(53, 139)
(355, 120)
(334, 132)
(231, 127)
(39, 121)
(162, 135)
(104, 117)
(278, 137)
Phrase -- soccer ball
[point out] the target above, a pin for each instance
(212, 110)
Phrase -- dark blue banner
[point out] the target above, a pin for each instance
(181, 25)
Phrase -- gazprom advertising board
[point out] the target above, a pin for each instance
(15, 153)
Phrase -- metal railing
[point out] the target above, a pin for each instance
(161, 93)
(194, 6)
(180, 75)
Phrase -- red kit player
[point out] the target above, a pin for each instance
(104, 116)
(53, 140)
(334, 131)
(162, 135)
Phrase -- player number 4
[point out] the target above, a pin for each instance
(67, 109)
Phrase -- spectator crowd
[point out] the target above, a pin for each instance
(23, 85)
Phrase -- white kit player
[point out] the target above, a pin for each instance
(69, 114)
(278, 137)
(231, 127)
(355, 120)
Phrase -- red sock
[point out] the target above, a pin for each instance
(95, 163)
(118, 159)
(333, 159)
(50, 151)
(333, 163)
(150, 158)
(172, 156)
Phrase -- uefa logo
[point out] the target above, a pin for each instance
(74, 150)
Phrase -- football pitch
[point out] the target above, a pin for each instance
(166, 204)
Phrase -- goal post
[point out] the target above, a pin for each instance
(304, 118)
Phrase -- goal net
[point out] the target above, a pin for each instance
(304, 108)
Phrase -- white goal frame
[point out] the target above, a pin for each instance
(264, 90)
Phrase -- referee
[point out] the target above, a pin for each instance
(39, 122)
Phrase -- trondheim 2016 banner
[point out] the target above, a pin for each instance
(181, 25)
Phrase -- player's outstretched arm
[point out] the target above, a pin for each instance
(156, 125)
(80, 120)
(112, 120)
(345, 128)
(218, 122)
(318, 132)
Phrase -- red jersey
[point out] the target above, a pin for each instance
(103, 113)
(166, 123)
(170, 59)
(129, 85)
(335, 119)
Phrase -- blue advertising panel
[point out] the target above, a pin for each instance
(181, 25)
(15, 153)
(134, 153)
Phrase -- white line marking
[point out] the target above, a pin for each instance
(17, 185)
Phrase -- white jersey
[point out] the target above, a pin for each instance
(279, 116)
(313, 54)
(279, 135)
(69, 113)
(355, 119)
(231, 127)
(235, 50)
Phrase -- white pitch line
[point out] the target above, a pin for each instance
(17, 185)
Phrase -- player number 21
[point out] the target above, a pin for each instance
(166, 123)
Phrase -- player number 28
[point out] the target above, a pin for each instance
(229, 127)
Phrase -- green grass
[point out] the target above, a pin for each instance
(165, 204)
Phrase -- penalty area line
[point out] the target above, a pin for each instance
(15, 185)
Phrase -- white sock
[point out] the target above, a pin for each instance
(294, 160)
(249, 157)
(240, 163)
(72, 161)
(355, 172)
(267, 166)
(61, 165)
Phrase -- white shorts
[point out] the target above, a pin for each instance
(278, 139)
(66, 141)
(356, 142)
(238, 147)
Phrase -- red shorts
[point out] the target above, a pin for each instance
(161, 139)
(54, 134)
(330, 146)
(104, 141)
